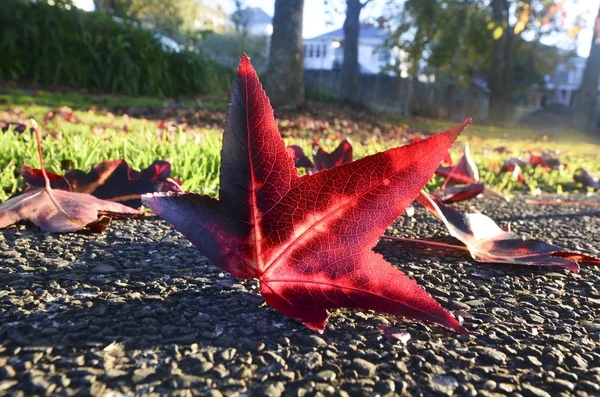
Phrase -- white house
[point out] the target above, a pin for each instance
(565, 81)
(326, 51)
(257, 22)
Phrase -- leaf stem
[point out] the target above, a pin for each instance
(39, 147)
(583, 203)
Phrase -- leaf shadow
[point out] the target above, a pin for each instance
(154, 296)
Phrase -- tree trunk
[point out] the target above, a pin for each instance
(350, 75)
(285, 73)
(497, 75)
(508, 72)
(587, 97)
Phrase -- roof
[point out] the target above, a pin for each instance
(366, 32)
(255, 15)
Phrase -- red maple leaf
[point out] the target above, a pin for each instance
(447, 160)
(307, 239)
(60, 210)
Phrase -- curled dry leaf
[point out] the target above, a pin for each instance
(465, 174)
(502, 150)
(307, 239)
(341, 155)
(545, 160)
(60, 210)
(394, 334)
(111, 180)
(17, 127)
(297, 155)
(487, 242)
(584, 177)
(62, 113)
(514, 166)
(465, 171)
(462, 193)
(34, 179)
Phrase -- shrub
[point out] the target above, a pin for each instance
(59, 44)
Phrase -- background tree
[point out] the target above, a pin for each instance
(285, 71)
(510, 19)
(240, 17)
(350, 75)
(587, 97)
(167, 16)
(469, 38)
(450, 36)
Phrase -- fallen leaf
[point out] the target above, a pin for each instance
(545, 160)
(465, 171)
(111, 180)
(584, 177)
(307, 239)
(341, 155)
(63, 113)
(34, 178)
(394, 334)
(17, 127)
(514, 166)
(60, 210)
(297, 155)
(487, 242)
(493, 193)
(502, 150)
(463, 193)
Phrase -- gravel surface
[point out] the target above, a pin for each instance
(138, 310)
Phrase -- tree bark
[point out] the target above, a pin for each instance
(508, 71)
(497, 75)
(350, 74)
(587, 97)
(285, 73)
(503, 63)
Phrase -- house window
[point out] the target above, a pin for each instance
(318, 51)
(304, 51)
(324, 50)
(310, 50)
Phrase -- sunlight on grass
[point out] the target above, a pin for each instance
(195, 154)
(27, 98)
(195, 158)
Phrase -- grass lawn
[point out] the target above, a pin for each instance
(99, 131)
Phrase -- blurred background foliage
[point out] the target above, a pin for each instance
(59, 45)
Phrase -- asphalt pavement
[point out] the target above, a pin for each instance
(138, 310)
